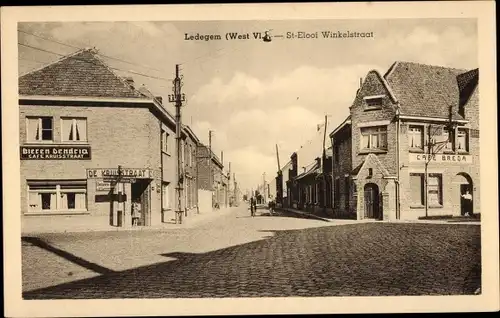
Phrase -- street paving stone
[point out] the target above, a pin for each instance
(270, 257)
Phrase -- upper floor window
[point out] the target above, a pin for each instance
(74, 129)
(164, 140)
(374, 138)
(462, 139)
(373, 102)
(39, 129)
(415, 137)
(448, 139)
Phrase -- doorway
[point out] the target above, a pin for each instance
(141, 194)
(466, 197)
(372, 202)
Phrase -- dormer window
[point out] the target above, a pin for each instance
(373, 102)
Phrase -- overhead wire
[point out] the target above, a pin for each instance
(77, 47)
(86, 61)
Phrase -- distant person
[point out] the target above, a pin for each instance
(253, 206)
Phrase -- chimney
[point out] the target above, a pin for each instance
(130, 81)
(318, 161)
(159, 99)
(222, 158)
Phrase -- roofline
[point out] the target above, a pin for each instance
(191, 133)
(386, 85)
(345, 122)
(463, 121)
(87, 98)
(132, 100)
(63, 57)
(214, 156)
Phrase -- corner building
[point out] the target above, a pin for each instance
(411, 140)
(92, 122)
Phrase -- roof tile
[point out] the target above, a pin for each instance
(81, 74)
(426, 90)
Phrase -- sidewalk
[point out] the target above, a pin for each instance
(349, 221)
(85, 223)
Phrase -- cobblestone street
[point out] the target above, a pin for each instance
(236, 255)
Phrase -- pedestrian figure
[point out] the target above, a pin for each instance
(136, 212)
(253, 206)
(467, 202)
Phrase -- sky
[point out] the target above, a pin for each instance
(255, 95)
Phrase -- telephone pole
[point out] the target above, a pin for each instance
(177, 97)
(210, 182)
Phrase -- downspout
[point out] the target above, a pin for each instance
(398, 151)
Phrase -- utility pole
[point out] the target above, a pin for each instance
(210, 181)
(177, 97)
(323, 165)
(431, 152)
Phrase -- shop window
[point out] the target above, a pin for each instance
(374, 138)
(39, 129)
(57, 196)
(417, 189)
(463, 140)
(74, 129)
(435, 190)
(415, 137)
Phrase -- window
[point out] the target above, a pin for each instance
(462, 140)
(434, 189)
(336, 193)
(415, 137)
(74, 129)
(374, 138)
(57, 196)
(347, 184)
(417, 188)
(336, 153)
(165, 196)
(164, 141)
(449, 136)
(373, 102)
(39, 129)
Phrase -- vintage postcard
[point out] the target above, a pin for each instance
(249, 159)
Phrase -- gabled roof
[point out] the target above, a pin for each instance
(81, 74)
(312, 170)
(373, 160)
(425, 90)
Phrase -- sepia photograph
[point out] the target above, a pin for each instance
(250, 158)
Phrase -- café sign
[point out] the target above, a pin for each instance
(112, 173)
(55, 152)
(441, 158)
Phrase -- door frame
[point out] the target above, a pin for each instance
(372, 190)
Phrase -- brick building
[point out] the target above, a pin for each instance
(190, 144)
(210, 179)
(410, 147)
(80, 126)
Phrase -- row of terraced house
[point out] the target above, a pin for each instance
(409, 149)
(81, 124)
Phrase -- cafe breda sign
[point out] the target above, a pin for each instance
(441, 158)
